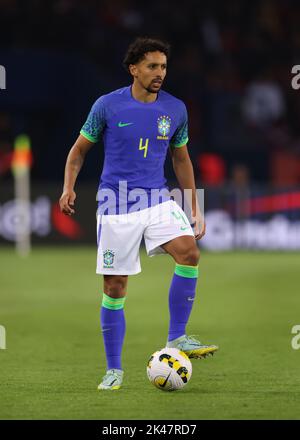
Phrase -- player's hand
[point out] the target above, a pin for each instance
(66, 202)
(199, 226)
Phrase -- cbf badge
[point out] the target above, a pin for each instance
(108, 258)
(163, 126)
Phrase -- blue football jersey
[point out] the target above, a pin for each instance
(136, 138)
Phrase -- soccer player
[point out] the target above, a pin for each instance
(139, 124)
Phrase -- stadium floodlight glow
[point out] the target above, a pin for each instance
(2, 78)
(21, 163)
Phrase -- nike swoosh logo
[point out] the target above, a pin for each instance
(105, 330)
(112, 382)
(183, 228)
(164, 384)
(190, 298)
(124, 124)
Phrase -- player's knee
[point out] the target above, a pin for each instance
(115, 285)
(191, 257)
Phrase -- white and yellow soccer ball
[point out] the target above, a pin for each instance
(169, 369)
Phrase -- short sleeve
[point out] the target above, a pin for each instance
(95, 122)
(180, 137)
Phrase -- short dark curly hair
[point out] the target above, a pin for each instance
(140, 46)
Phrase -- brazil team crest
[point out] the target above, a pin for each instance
(108, 258)
(163, 125)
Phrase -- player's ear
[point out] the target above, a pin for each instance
(133, 70)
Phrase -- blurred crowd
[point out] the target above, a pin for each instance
(231, 63)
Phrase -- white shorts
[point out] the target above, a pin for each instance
(119, 236)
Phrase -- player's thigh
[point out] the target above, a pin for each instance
(167, 223)
(119, 240)
(183, 249)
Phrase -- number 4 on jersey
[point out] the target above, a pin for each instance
(144, 147)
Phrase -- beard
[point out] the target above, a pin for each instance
(151, 88)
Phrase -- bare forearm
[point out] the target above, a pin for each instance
(74, 163)
(185, 176)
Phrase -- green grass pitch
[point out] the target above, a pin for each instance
(247, 303)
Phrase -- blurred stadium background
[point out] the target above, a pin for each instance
(231, 64)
